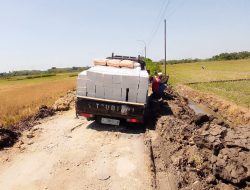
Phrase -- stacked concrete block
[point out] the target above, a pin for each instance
(114, 83)
(91, 74)
(91, 86)
(100, 90)
(81, 84)
(107, 80)
(108, 93)
(130, 81)
(99, 77)
(117, 94)
(117, 78)
(132, 95)
(141, 96)
(143, 87)
(81, 91)
(144, 79)
(130, 84)
(83, 75)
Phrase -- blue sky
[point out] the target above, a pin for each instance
(40, 34)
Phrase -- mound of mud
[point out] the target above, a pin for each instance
(202, 151)
(64, 103)
(7, 137)
(43, 112)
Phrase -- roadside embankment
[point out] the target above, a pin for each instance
(227, 110)
(9, 136)
(199, 151)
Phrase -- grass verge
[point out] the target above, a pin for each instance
(237, 92)
(208, 71)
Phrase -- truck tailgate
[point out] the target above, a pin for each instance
(110, 108)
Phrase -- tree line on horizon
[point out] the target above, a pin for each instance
(50, 72)
(220, 57)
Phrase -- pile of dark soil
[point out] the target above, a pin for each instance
(7, 138)
(202, 151)
(29, 122)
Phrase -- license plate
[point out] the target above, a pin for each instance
(110, 121)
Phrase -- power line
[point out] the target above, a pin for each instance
(159, 14)
(177, 7)
(163, 13)
(159, 18)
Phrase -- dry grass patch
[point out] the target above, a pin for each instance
(22, 99)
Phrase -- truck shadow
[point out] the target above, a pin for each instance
(123, 128)
(157, 109)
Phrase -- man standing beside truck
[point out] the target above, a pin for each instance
(158, 86)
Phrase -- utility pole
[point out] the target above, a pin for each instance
(165, 46)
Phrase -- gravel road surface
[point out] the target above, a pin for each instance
(68, 153)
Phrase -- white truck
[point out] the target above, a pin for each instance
(115, 90)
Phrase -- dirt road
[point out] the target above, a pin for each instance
(183, 148)
(67, 153)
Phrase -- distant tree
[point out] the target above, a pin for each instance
(231, 56)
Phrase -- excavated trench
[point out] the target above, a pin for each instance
(200, 149)
(200, 109)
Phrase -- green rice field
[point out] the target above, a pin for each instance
(201, 73)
